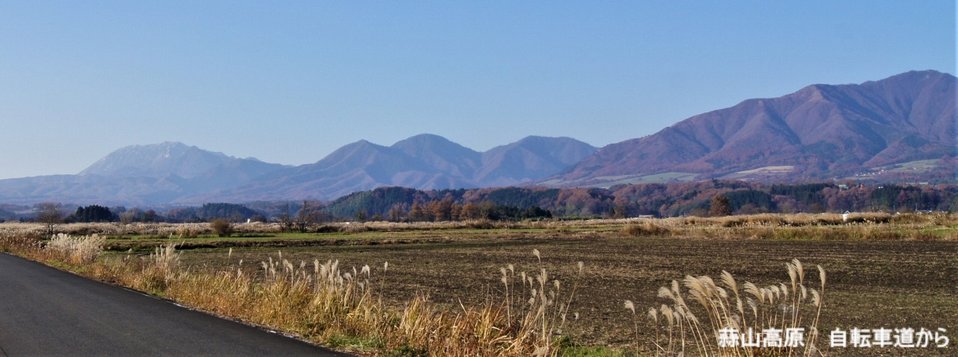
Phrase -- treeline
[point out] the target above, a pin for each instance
(404, 204)
(96, 213)
(211, 211)
(659, 200)
(515, 203)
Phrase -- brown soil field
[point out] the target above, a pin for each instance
(871, 283)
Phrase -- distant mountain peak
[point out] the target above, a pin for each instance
(530, 159)
(551, 139)
(426, 137)
(175, 159)
(431, 144)
(358, 145)
(918, 75)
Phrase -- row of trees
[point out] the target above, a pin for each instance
(49, 212)
(307, 215)
(449, 210)
(662, 200)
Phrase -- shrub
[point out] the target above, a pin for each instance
(480, 224)
(221, 227)
(186, 231)
(647, 228)
(326, 228)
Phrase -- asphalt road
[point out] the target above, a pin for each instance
(44, 311)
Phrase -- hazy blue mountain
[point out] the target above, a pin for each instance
(441, 154)
(176, 173)
(898, 128)
(140, 174)
(177, 159)
(357, 166)
(423, 162)
(532, 158)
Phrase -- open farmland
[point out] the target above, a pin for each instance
(871, 283)
(883, 271)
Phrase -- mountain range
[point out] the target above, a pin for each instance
(174, 173)
(424, 161)
(901, 128)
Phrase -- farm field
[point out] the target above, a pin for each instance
(883, 270)
(871, 283)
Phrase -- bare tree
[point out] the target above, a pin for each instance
(286, 219)
(149, 216)
(396, 212)
(130, 215)
(311, 213)
(49, 213)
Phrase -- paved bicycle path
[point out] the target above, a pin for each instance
(44, 311)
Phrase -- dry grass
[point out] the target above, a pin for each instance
(537, 319)
(859, 226)
(176, 230)
(15, 242)
(325, 302)
(75, 249)
(728, 306)
(646, 228)
(825, 226)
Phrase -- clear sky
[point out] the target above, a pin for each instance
(289, 82)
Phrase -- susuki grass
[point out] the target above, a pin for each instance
(76, 249)
(326, 302)
(698, 318)
(537, 305)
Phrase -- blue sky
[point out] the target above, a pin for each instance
(290, 81)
